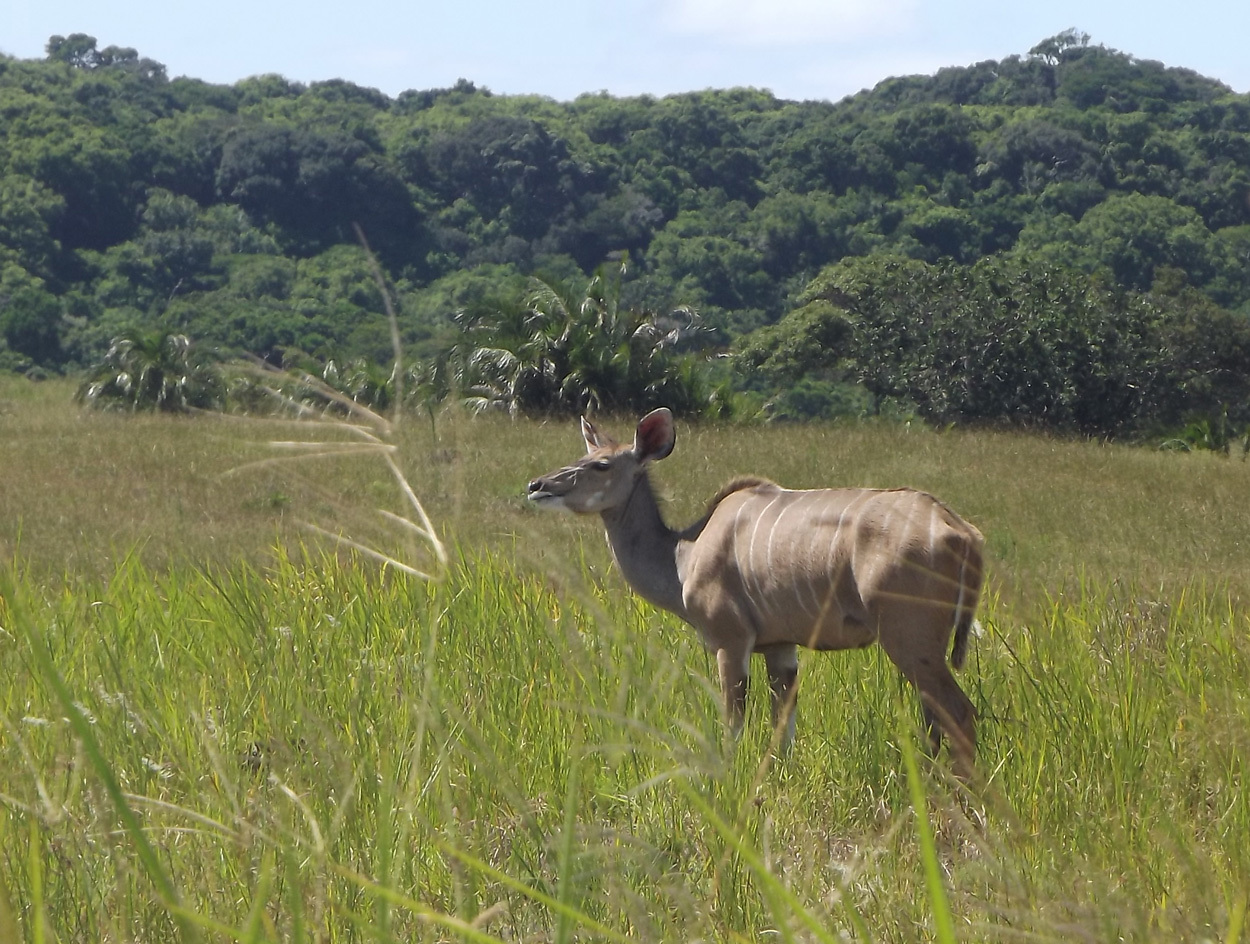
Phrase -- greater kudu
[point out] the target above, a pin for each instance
(767, 569)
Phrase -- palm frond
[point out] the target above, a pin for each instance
(566, 350)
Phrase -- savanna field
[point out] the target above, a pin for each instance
(217, 724)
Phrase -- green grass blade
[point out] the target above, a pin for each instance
(943, 922)
(1235, 922)
(35, 873)
(776, 888)
(564, 888)
(253, 931)
(10, 930)
(294, 898)
(561, 909)
(427, 914)
(91, 748)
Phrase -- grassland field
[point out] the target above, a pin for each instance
(216, 724)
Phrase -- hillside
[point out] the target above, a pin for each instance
(227, 212)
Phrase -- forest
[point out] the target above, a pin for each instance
(1059, 239)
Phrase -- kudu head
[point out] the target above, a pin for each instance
(605, 477)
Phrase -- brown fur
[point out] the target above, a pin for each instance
(734, 485)
(767, 569)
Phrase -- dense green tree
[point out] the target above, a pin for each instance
(927, 141)
(427, 316)
(698, 136)
(603, 225)
(29, 214)
(77, 50)
(817, 156)
(711, 252)
(945, 232)
(30, 321)
(181, 153)
(1090, 76)
(1230, 252)
(798, 233)
(1054, 49)
(1033, 153)
(1014, 340)
(89, 170)
(316, 187)
(503, 163)
(173, 253)
(813, 339)
(1130, 235)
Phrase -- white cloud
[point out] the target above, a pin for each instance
(774, 22)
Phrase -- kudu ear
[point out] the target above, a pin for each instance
(655, 436)
(594, 438)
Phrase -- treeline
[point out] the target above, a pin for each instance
(129, 200)
(1008, 338)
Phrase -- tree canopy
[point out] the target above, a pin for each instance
(129, 200)
(1013, 339)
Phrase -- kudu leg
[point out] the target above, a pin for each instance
(947, 710)
(783, 673)
(734, 666)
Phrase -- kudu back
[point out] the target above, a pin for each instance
(767, 569)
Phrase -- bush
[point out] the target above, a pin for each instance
(154, 371)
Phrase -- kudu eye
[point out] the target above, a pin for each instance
(601, 465)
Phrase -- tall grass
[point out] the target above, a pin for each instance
(319, 752)
(224, 735)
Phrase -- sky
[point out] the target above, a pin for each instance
(797, 49)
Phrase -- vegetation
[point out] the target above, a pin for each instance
(131, 201)
(1013, 339)
(153, 371)
(213, 728)
(561, 352)
(308, 746)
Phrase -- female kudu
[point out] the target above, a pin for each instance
(767, 569)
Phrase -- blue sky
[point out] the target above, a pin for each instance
(799, 49)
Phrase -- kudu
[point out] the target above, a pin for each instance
(767, 569)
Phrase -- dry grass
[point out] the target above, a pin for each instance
(83, 489)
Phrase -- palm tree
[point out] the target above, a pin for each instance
(154, 370)
(363, 381)
(510, 358)
(560, 350)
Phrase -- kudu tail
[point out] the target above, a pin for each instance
(963, 629)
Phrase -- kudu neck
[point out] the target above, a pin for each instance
(644, 547)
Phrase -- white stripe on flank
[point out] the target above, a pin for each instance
(843, 517)
(751, 550)
(742, 571)
(913, 525)
(809, 556)
(831, 568)
(887, 519)
(793, 563)
(804, 577)
(772, 535)
(867, 498)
